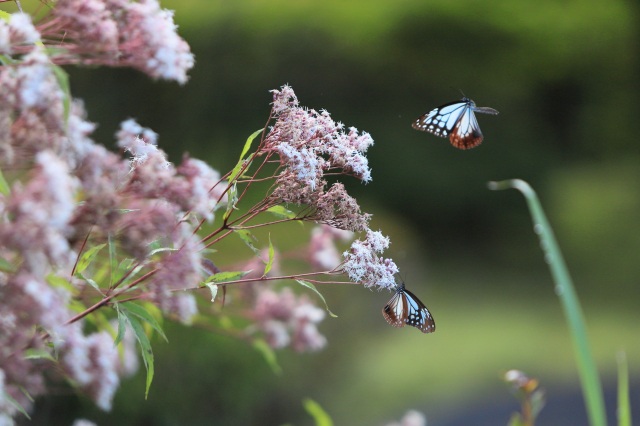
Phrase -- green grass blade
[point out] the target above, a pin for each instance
(589, 379)
(624, 409)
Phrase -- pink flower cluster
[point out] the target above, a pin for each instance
(363, 264)
(137, 34)
(311, 144)
(66, 190)
(286, 319)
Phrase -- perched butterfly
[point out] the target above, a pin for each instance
(405, 308)
(455, 120)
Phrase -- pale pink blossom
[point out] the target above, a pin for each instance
(138, 34)
(311, 143)
(363, 265)
(18, 31)
(285, 318)
(323, 254)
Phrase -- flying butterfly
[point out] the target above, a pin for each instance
(405, 308)
(455, 120)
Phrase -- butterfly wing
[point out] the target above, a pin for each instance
(394, 311)
(466, 133)
(442, 120)
(418, 315)
(455, 120)
(405, 308)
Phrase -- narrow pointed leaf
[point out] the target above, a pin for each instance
(248, 239)
(145, 349)
(312, 287)
(88, 256)
(268, 354)
(315, 410)
(282, 212)
(269, 263)
(4, 185)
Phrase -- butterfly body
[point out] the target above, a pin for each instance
(405, 308)
(455, 120)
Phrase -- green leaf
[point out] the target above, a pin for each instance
(63, 82)
(6, 266)
(268, 354)
(122, 323)
(87, 257)
(318, 413)
(145, 348)
(222, 277)
(516, 420)
(113, 262)
(91, 282)
(282, 212)
(16, 404)
(57, 281)
(4, 185)
(312, 287)
(145, 316)
(241, 162)
(269, 263)
(248, 239)
(5, 15)
(38, 354)
(247, 144)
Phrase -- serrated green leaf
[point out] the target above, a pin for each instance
(4, 185)
(282, 212)
(318, 413)
(248, 239)
(38, 354)
(222, 277)
(145, 348)
(145, 316)
(269, 263)
(312, 287)
(6, 266)
(214, 290)
(88, 256)
(268, 354)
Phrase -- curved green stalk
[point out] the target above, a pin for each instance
(589, 379)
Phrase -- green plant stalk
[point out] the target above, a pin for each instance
(589, 379)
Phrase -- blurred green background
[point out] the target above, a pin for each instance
(564, 76)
